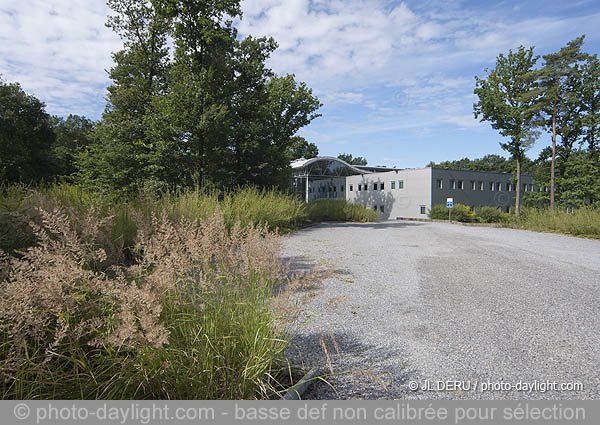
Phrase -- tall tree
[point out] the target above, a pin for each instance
(73, 134)
(553, 95)
(120, 161)
(502, 102)
(589, 96)
(26, 136)
(359, 160)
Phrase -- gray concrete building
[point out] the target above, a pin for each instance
(403, 193)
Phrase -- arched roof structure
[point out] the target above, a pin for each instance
(324, 167)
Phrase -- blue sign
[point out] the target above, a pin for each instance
(449, 202)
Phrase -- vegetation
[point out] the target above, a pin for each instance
(359, 160)
(462, 213)
(336, 210)
(502, 101)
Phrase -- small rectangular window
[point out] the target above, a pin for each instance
(359, 187)
(492, 186)
(440, 184)
(393, 185)
(525, 187)
(453, 184)
(531, 188)
(381, 208)
(499, 187)
(374, 186)
(351, 187)
(365, 187)
(473, 185)
(400, 184)
(460, 185)
(481, 186)
(374, 207)
(423, 209)
(381, 186)
(341, 188)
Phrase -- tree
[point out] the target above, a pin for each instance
(359, 160)
(73, 134)
(126, 154)
(553, 95)
(502, 102)
(589, 96)
(26, 136)
(301, 148)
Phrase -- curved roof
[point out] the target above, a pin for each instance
(325, 166)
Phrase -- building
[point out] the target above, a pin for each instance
(403, 193)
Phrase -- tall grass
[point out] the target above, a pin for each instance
(337, 210)
(581, 222)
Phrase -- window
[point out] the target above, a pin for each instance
(499, 187)
(375, 186)
(509, 187)
(473, 185)
(351, 187)
(393, 185)
(358, 187)
(365, 187)
(374, 207)
(381, 186)
(492, 184)
(525, 187)
(460, 185)
(453, 184)
(341, 188)
(335, 188)
(440, 184)
(400, 184)
(423, 209)
(381, 208)
(531, 188)
(481, 186)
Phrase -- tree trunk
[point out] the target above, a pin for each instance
(553, 151)
(518, 198)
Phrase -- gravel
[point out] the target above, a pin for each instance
(415, 301)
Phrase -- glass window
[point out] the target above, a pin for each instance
(499, 187)
(481, 186)
(460, 185)
(440, 184)
(381, 208)
(400, 184)
(365, 187)
(381, 186)
(422, 209)
(351, 187)
(375, 186)
(453, 184)
(341, 188)
(374, 207)
(393, 185)
(473, 185)
(492, 184)
(359, 187)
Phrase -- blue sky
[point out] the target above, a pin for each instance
(395, 78)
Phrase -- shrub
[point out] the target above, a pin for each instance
(338, 210)
(460, 213)
(581, 222)
(490, 215)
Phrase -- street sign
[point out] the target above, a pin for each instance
(450, 202)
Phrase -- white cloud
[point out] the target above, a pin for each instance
(58, 51)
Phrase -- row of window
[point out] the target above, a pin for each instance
(422, 209)
(324, 189)
(493, 186)
(377, 186)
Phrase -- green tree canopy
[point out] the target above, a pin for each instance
(359, 160)
(26, 136)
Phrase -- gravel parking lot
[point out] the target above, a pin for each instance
(432, 303)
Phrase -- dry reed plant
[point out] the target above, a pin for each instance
(192, 316)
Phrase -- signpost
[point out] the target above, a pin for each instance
(450, 205)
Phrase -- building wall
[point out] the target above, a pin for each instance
(497, 195)
(396, 202)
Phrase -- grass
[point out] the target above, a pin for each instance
(179, 297)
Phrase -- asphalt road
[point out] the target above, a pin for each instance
(464, 312)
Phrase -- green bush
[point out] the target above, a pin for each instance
(460, 213)
(490, 215)
(337, 210)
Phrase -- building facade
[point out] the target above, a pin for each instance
(404, 193)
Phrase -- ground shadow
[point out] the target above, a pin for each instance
(375, 225)
(360, 371)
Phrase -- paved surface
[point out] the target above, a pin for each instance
(435, 302)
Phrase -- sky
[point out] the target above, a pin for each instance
(396, 78)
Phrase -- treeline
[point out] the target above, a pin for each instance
(190, 103)
(562, 98)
